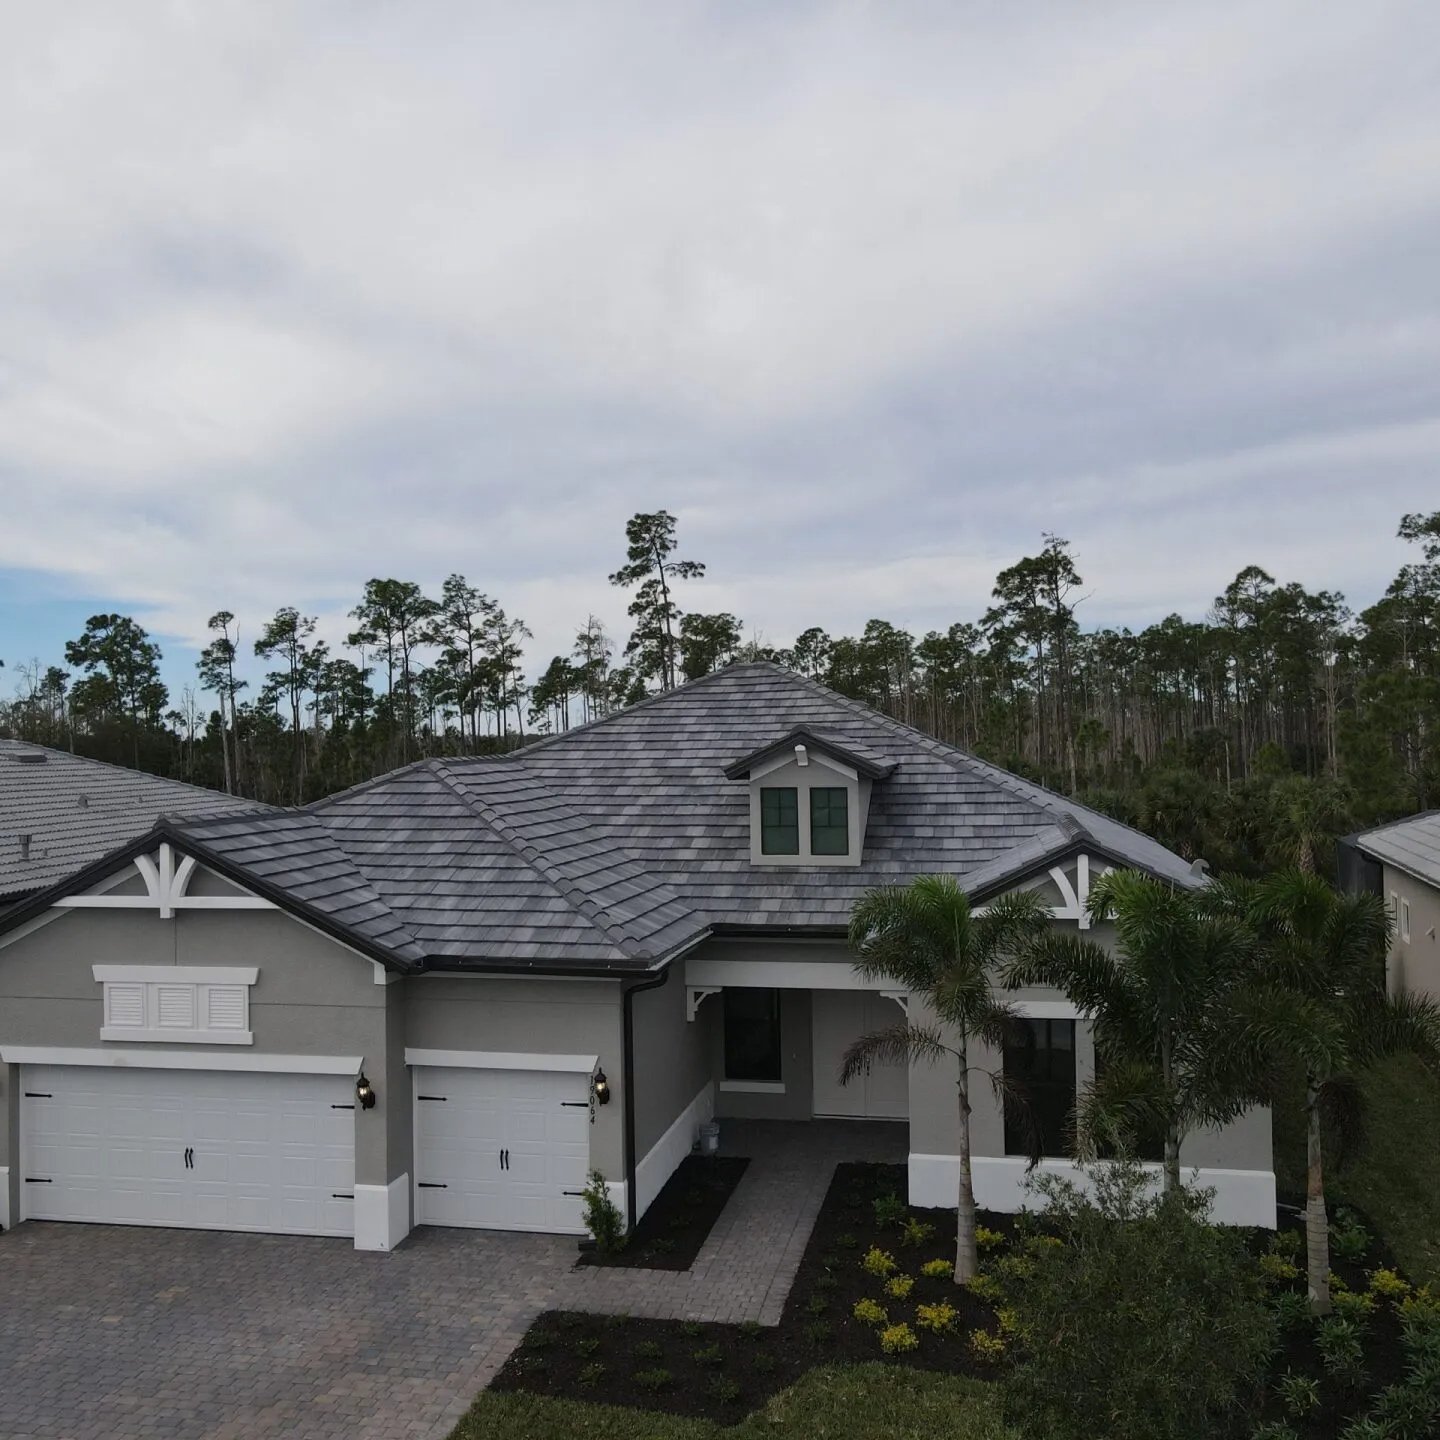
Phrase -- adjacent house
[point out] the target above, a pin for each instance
(1404, 867)
(444, 996)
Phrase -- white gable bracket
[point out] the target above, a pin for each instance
(696, 995)
(166, 890)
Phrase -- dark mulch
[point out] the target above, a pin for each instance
(681, 1216)
(722, 1372)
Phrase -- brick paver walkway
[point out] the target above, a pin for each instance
(108, 1333)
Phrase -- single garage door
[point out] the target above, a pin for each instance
(501, 1149)
(199, 1149)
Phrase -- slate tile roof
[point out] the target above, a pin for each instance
(622, 842)
(1411, 845)
(76, 810)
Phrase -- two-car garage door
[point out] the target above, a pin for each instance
(192, 1148)
(501, 1149)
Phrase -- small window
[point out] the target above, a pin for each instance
(752, 1034)
(829, 821)
(1040, 1061)
(780, 821)
(1405, 921)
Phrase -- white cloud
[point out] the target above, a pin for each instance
(869, 295)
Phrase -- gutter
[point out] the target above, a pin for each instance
(627, 1067)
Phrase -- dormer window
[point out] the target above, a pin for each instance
(809, 799)
(829, 820)
(779, 820)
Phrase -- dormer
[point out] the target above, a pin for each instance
(809, 798)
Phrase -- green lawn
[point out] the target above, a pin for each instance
(869, 1400)
(1395, 1175)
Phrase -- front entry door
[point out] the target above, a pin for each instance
(840, 1017)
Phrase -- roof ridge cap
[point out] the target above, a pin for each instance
(595, 914)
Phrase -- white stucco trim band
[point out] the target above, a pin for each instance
(382, 1214)
(502, 1060)
(4, 1197)
(753, 1087)
(178, 974)
(183, 1060)
(1242, 1197)
(702, 973)
(665, 1155)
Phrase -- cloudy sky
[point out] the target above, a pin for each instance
(869, 295)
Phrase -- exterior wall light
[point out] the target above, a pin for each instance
(365, 1093)
(602, 1088)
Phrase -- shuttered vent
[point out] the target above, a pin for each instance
(175, 1007)
(125, 1006)
(225, 1007)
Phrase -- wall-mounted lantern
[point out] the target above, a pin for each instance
(365, 1093)
(602, 1088)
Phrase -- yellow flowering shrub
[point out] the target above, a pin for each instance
(879, 1262)
(938, 1318)
(1388, 1285)
(986, 1287)
(938, 1269)
(985, 1347)
(988, 1239)
(870, 1312)
(1277, 1268)
(899, 1287)
(895, 1339)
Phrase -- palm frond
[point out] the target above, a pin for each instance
(1342, 1112)
(896, 1044)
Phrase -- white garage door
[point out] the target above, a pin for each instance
(200, 1149)
(501, 1149)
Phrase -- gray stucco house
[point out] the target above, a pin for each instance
(1405, 862)
(443, 996)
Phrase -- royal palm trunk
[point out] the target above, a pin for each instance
(966, 1255)
(1317, 1224)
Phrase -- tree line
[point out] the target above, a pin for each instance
(1253, 736)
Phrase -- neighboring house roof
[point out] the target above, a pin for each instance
(617, 845)
(1411, 845)
(75, 811)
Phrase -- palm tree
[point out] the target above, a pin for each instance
(926, 940)
(1318, 1006)
(1305, 817)
(1157, 1003)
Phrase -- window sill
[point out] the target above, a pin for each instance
(753, 1087)
(178, 1037)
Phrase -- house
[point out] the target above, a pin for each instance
(1404, 867)
(444, 996)
(61, 812)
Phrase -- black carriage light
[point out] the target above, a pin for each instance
(602, 1088)
(365, 1093)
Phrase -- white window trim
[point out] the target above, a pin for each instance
(182, 1060)
(199, 979)
(502, 1060)
(753, 1087)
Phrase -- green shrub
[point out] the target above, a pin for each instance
(723, 1389)
(654, 1380)
(569, 1320)
(1356, 1305)
(662, 1245)
(691, 1328)
(591, 1374)
(879, 1262)
(1388, 1284)
(710, 1356)
(826, 1281)
(752, 1329)
(1274, 1430)
(896, 1339)
(1349, 1239)
(1286, 1243)
(763, 1362)
(1299, 1394)
(869, 1312)
(602, 1216)
(1340, 1341)
(938, 1269)
(986, 1287)
(986, 1348)
(816, 1305)
(646, 1350)
(1176, 1339)
(898, 1287)
(988, 1239)
(586, 1345)
(1277, 1268)
(848, 1241)
(889, 1210)
(939, 1318)
(1292, 1309)
(818, 1332)
(539, 1340)
(915, 1233)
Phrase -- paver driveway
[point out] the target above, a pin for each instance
(108, 1333)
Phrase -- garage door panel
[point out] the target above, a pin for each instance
(538, 1120)
(269, 1151)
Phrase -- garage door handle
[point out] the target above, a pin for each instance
(31, 1180)
(431, 1185)
(189, 1157)
(335, 1196)
(38, 1095)
(441, 1098)
(342, 1107)
(572, 1192)
(575, 1104)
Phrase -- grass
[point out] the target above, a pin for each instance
(1394, 1176)
(873, 1400)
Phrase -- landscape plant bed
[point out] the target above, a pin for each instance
(722, 1372)
(681, 1216)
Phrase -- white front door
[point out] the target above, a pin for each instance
(501, 1149)
(196, 1149)
(839, 1017)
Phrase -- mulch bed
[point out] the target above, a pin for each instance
(723, 1372)
(680, 1218)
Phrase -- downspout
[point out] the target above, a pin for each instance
(628, 1068)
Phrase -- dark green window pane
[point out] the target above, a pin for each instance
(830, 821)
(1040, 1063)
(752, 1034)
(780, 821)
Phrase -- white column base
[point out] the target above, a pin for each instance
(382, 1214)
(671, 1148)
(4, 1197)
(1242, 1197)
